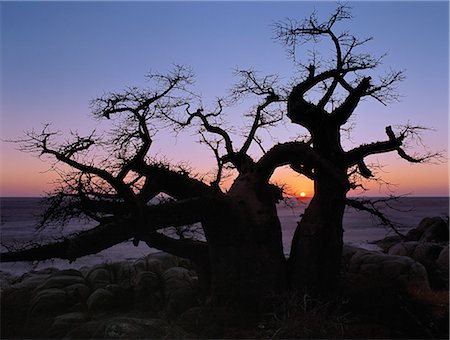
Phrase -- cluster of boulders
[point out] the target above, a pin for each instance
(404, 286)
(372, 267)
(120, 300)
(420, 259)
(428, 245)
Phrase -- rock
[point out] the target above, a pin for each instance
(159, 262)
(101, 300)
(98, 277)
(435, 230)
(430, 229)
(76, 293)
(391, 269)
(32, 279)
(85, 330)
(403, 248)
(423, 252)
(64, 323)
(133, 328)
(148, 293)
(123, 297)
(386, 243)
(442, 267)
(179, 290)
(149, 281)
(5, 280)
(67, 272)
(48, 302)
(60, 281)
(368, 331)
(14, 308)
(85, 271)
(126, 275)
(191, 320)
(180, 301)
(427, 253)
(347, 253)
(413, 235)
(111, 298)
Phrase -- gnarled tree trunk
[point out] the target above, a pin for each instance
(314, 262)
(245, 246)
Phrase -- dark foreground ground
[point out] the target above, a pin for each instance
(401, 293)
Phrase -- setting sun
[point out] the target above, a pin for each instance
(302, 194)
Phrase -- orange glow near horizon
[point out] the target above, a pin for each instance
(23, 175)
(292, 183)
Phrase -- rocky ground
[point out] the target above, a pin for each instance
(120, 300)
(400, 293)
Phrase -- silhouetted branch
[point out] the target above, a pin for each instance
(137, 101)
(372, 207)
(394, 143)
(75, 246)
(215, 149)
(190, 249)
(343, 112)
(177, 184)
(386, 91)
(296, 153)
(211, 128)
(346, 61)
(259, 121)
(291, 33)
(106, 235)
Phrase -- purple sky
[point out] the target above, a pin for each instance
(57, 56)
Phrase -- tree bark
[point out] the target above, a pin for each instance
(246, 250)
(315, 258)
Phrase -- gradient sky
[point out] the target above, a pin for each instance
(57, 56)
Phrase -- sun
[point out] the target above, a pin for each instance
(302, 194)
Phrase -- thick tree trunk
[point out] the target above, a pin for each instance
(246, 250)
(315, 258)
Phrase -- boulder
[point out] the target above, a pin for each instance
(32, 279)
(192, 319)
(430, 229)
(84, 330)
(436, 231)
(123, 297)
(442, 267)
(179, 290)
(98, 277)
(67, 272)
(111, 298)
(48, 302)
(423, 252)
(390, 269)
(148, 293)
(159, 262)
(101, 300)
(134, 328)
(125, 275)
(64, 323)
(403, 248)
(77, 293)
(60, 280)
(14, 309)
(5, 280)
(427, 253)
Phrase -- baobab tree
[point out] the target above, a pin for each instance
(113, 177)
